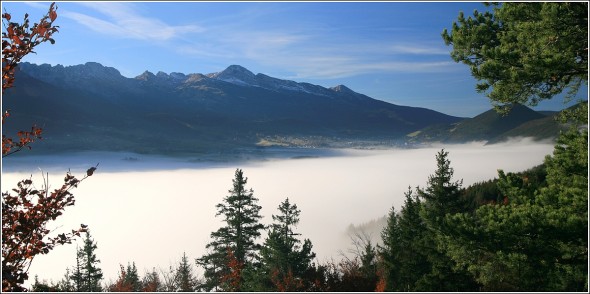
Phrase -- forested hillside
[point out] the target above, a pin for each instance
(493, 127)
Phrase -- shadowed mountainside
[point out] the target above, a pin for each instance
(92, 107)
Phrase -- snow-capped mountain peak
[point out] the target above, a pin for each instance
(236, 74)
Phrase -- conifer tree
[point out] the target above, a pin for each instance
(66, 283)
(43, 286)
(403, 258)
(87, 274)
(359, 273)
(121, 285)
(389, 251)
(184, 277)
(537, 240)
(241, 215)
(76, 276)
(285, 260)
(214, 264)
(524, 52)
(441, 197)
(132, 278)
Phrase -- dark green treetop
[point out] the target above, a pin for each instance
(87, 274)
(524, 52)
(283, 256)
(184, 278)
(404, 260)
(132, 277)
(442, 195)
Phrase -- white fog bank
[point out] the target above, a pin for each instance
(153, 216)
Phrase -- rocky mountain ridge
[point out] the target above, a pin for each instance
(94, 107)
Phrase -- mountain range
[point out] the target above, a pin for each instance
(94, 107)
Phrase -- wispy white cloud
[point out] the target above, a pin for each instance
(37, 5)
(122, 21)
(333, 68)
(308, 50)
(307, 57)
(418, 50)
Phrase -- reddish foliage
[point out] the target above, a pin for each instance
(381, 283)
(232, 280)
(121, 285)
(286, 282)
(26, 214)
(25, 139)
(24, 226)
(17, 41)
(151, 286)
(20, 39)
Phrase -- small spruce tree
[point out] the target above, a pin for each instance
(285, 259)
(87, 274)
(184, 277)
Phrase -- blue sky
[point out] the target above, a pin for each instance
(390, 51)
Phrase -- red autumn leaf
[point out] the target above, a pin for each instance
(16, 39)
(52, 15)
(41, 30)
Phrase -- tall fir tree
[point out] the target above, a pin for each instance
(87, 274)
(285, 259)
(389, 251)
(441, 197)
(241, 215)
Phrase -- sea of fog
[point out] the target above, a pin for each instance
(151, 209)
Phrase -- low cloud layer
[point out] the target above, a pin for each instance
(153, 215)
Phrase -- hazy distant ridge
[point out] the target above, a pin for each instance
(93, 107)
(493, 127)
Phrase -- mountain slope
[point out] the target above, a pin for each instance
(92, 107)
(492, 127)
